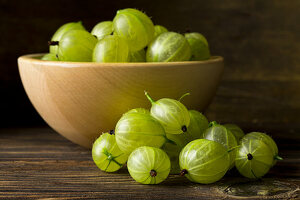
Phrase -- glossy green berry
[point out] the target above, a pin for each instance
(204, 161)
(75, 45)
(61, 31)
(236, 131)
(112, 48)
(137, 129)
(138, 56)
(222, 135)
(267, 140)
(135, 27)
(148, 165)
(172, 114)
(198, 125)
(169, 47)
(138, 110)
(254, 158)
(173, 147)
(102, 29)
(158, 29)
(199, 46)
(106, 153)
(50, 57)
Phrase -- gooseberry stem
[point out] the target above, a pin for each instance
(111, 132)
(213, 123)
(277, 158)
(186, 94)
(183, 172)
(148, 97)
(53, 43)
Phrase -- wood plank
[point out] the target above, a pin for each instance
(39, 163)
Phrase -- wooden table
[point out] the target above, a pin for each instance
(39, 163)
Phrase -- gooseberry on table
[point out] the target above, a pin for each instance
(148, 165)
(106, 154)
(204, 161)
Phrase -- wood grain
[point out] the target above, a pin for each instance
(39, 163)
(80, 100)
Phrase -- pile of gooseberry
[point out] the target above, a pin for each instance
(170, 139)
(130, 37)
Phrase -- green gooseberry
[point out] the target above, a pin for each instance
(236, 131)
(158, 29)
(138, 56)
(102, 29)
(112, 48)
(267, 140)
(169, 47)
(138, 129)
(222, 135)
(199, 46)
(106, 153)
(75, 45)
(204, 161)
(50, 57)
(254, 158)
(61, 31)
(148, 165)
(172, 114)
(135, 27)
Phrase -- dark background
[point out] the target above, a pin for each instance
(260, 41)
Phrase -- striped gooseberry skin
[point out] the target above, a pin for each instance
(172, 114)
(204, 161)
(111, 48)
(148, 165)
(173, 151)
(220, 134)
(254, 158)
(198, 124)
(134, 130)
(158, 29)
(106, 153)
(236, 131)
(266, 139)
(135, 27)
(61, 31)
(138, 56)
(102, 29)
(169, 47)
(199, 46)
(76, 46)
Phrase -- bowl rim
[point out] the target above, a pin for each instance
(33, 58)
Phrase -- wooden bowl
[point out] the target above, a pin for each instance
(82, 100)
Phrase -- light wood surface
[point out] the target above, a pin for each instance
(82, 100)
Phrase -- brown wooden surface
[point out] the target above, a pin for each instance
(39, 163)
